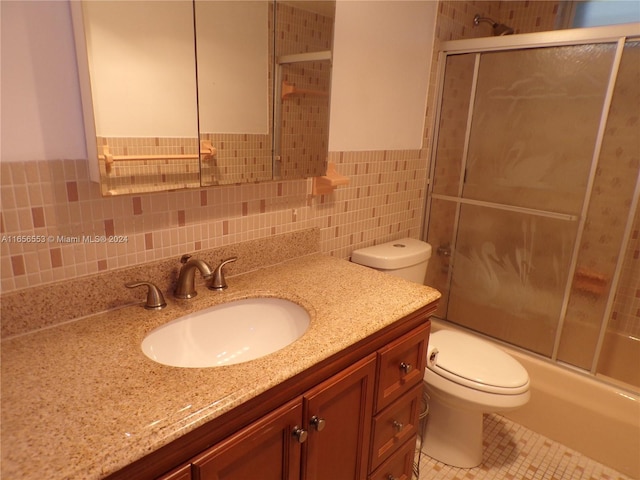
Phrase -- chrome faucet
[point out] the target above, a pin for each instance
(219, 282)
(186, 280)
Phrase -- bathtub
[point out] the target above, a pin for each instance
(598, 420)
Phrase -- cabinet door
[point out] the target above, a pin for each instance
(338, 416)
(266, 449)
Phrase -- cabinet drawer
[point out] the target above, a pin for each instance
(399, 466)
(395, 425)
(401, 365)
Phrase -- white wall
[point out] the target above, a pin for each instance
(382, 56)
(41, 114)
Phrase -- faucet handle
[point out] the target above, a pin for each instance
(219, 282)
(155, 299)
(185, 258)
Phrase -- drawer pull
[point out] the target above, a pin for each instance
(319, 423)
(300, 434)
(391, 477)
(406, 367)
(398, 425)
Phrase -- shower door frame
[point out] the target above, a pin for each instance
(618, 34)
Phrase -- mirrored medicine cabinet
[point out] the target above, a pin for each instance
(184, 94)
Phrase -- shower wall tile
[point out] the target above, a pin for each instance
(527, 17)
(625, 317)
(455, 18)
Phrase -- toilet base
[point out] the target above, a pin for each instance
(453, 436)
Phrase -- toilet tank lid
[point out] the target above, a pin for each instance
(402, 253)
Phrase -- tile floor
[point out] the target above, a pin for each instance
(513, 452)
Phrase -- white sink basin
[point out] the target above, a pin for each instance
(229, 333)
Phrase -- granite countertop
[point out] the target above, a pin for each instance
(81, 400)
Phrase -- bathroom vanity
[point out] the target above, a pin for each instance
(360, 422)
(81, 400)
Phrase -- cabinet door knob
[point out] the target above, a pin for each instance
(391, 477)
(398, 425)
(300, 433)
(406, 367)
(319, 423)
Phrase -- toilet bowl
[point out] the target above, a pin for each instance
(465, 376)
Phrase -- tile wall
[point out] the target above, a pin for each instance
(455, 18)
(627, 304)
(56, 226)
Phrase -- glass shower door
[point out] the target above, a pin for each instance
(531, 131)
(509, 275)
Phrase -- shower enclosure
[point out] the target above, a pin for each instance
(533, 200)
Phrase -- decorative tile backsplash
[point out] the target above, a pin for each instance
(56, 226)
(51, 304)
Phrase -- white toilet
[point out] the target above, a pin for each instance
(465, 376)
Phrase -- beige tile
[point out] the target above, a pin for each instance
(513, 452)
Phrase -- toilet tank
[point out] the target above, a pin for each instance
(406, 258)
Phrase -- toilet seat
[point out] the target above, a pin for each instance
(475, 363)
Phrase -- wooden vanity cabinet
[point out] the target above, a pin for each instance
(356, 415)
(331, 437)
(337, 419)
